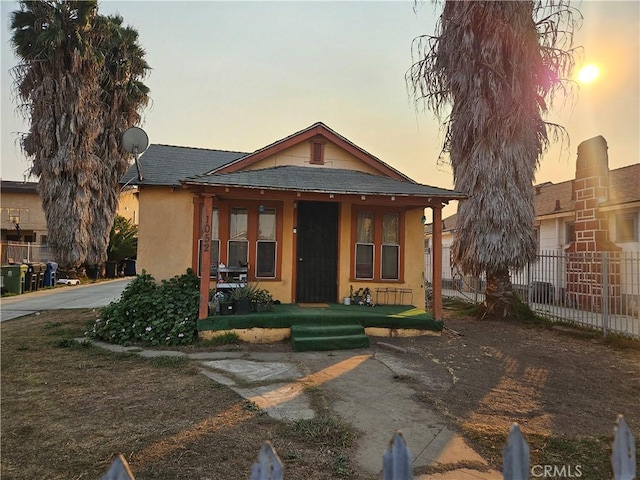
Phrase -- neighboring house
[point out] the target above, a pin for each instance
(595, 213)
(309, 216)
(24, 222)
(22, 215)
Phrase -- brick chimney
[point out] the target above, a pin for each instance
(591, 187)
(593, 260)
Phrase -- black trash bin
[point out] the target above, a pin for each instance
(50, 274)
(542, 292)
(43, 269)
(111, 269)
(94, 272)
(130, 267)
(30, 278)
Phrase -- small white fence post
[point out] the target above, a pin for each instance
(623, 456)
(268, 466)
(515, 461)
(396, 462)
(119, 470)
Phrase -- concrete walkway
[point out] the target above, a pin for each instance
(363, 389)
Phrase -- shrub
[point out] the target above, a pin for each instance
(151, 314)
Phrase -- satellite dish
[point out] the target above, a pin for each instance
(135, 141)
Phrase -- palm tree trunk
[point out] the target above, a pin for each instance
(500, 301)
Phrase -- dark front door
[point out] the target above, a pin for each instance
(317, 244)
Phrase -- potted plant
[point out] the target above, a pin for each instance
(357, 297)
(226, 306)
(262, 301)
(241, 297)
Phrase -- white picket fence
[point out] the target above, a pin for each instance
(397, 460)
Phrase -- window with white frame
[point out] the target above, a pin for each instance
(627, 227)
(364, 246)
(266, 243)
(390, 247)
(238, 238)
(569, 232)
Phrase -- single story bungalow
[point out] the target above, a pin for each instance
(309, 217)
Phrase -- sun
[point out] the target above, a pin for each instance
(588, 74)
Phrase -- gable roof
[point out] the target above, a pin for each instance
(315, 130)
(167, 165)
(321, 180)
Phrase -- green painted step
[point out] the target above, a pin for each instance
(336, 342)
(328, 337)
(299, 331)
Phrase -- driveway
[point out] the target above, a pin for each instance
(63, 297)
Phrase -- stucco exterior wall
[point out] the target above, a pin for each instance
(165, 231)
(128, 205)
(27, 207)
(414, 252)
(299, 155)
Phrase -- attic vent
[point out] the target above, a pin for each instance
(317, 153)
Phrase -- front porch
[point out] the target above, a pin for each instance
(379, 321)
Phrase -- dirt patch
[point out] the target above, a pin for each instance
(554, 382)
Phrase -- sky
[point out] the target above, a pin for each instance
(240, 75)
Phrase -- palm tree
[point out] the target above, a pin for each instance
(489, 72)
(57, 83)
(123, 240)
(79, 83)
(123, 95)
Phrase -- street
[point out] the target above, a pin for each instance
(63, 297)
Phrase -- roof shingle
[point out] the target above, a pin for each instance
(167, 165)
(320, 179)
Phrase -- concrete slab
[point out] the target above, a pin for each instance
(377, 405)
(254, 371)
(285, 400)
(278, 393)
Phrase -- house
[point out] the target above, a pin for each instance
(593, 214)
(22, 215)
(307, 216)
(23, 223)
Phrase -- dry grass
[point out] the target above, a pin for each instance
(68, 409)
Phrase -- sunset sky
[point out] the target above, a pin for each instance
(240, 75)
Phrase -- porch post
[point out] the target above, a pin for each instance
(436, 261)
(205, 260)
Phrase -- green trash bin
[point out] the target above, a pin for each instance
(13, 277)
